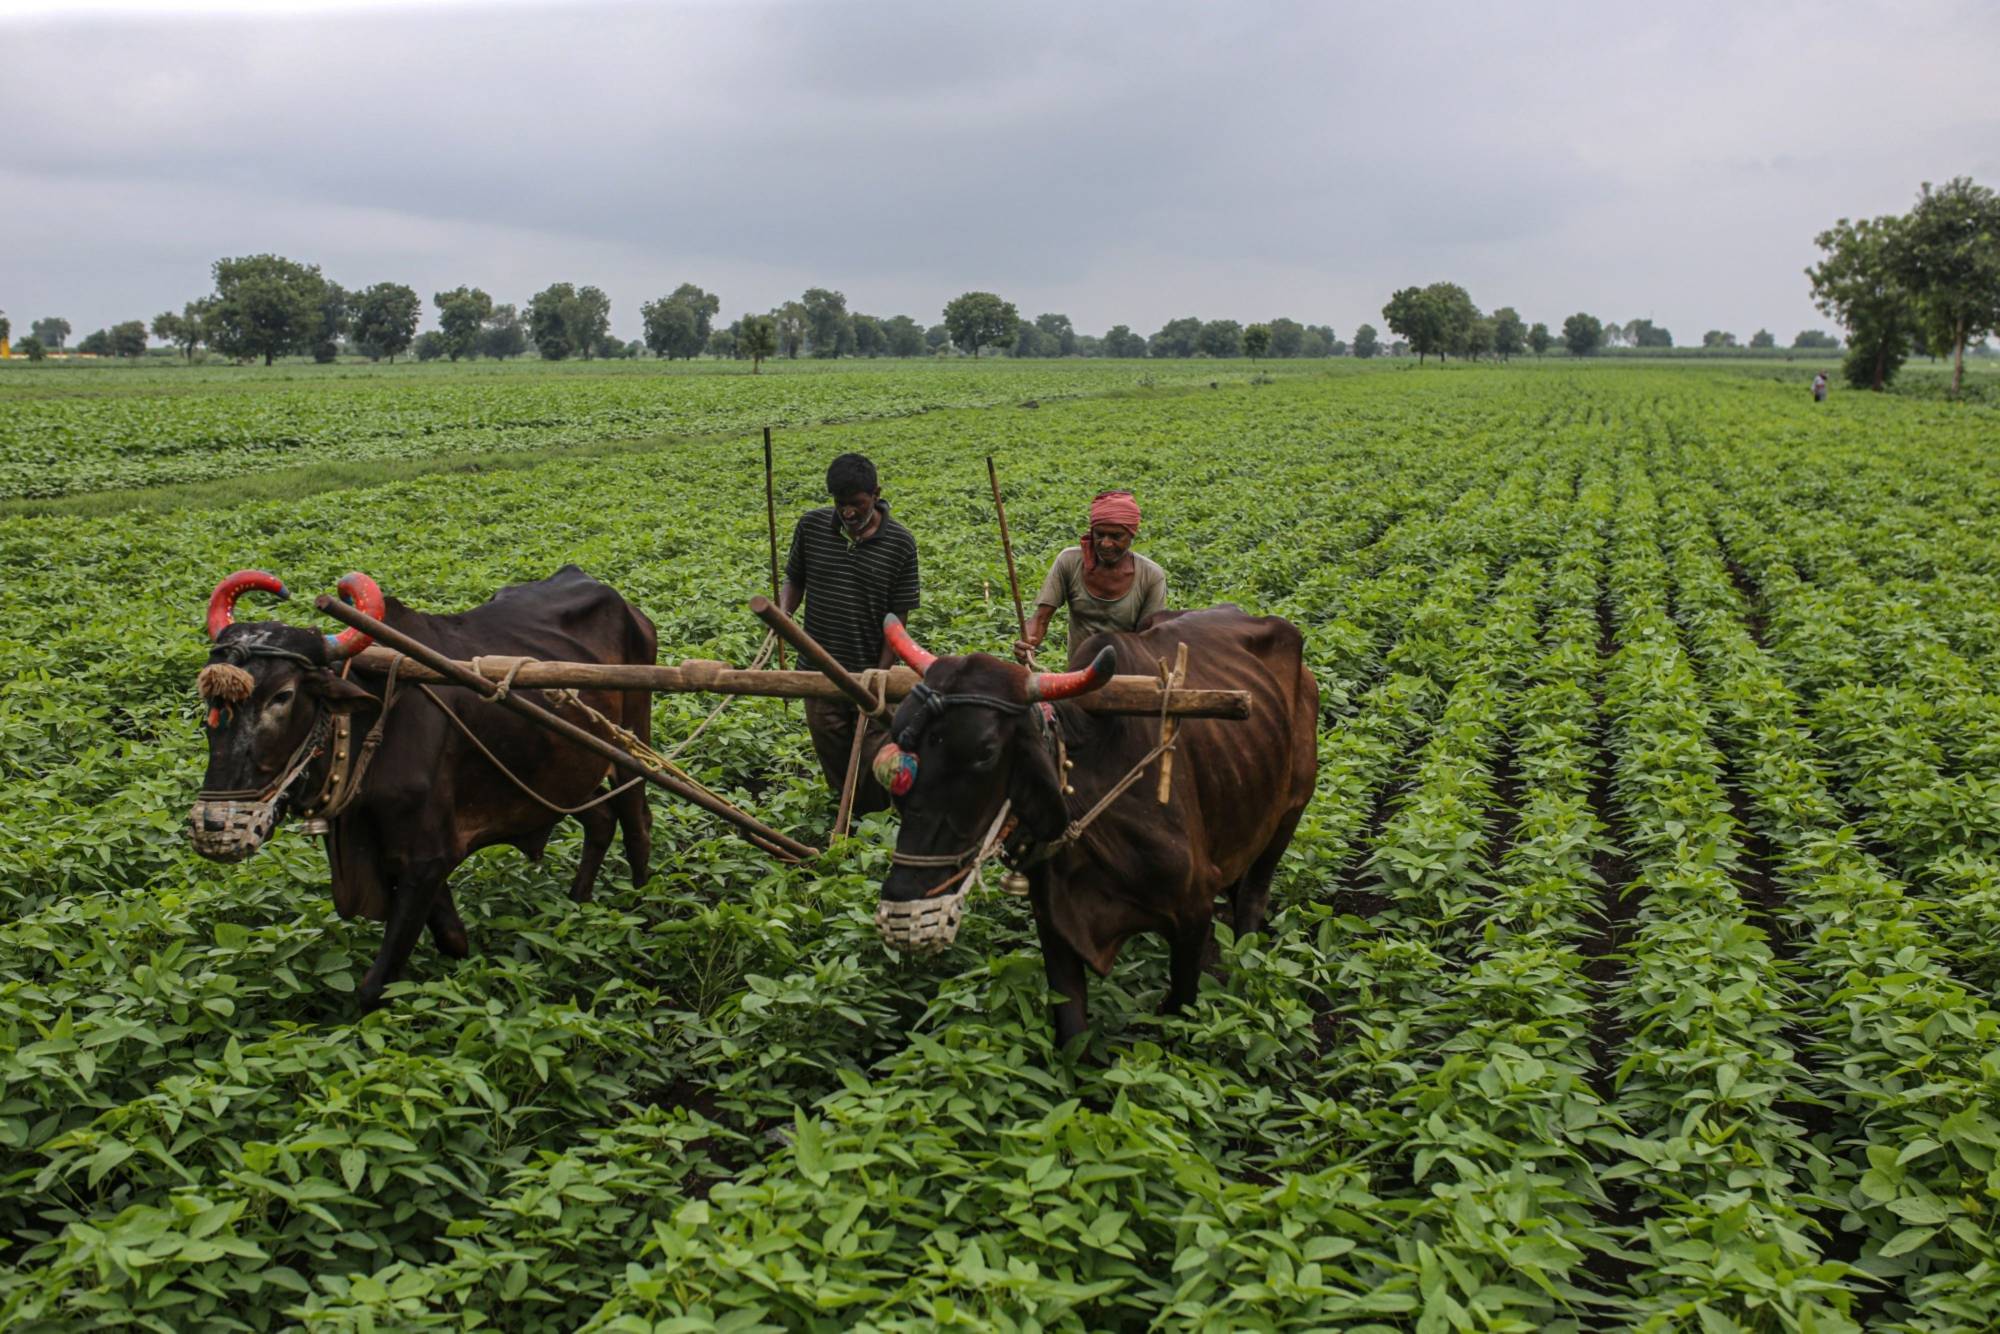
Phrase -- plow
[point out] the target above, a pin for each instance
(875, 693)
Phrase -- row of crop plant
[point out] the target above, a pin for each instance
(1905, 1045)
(1721, 1170)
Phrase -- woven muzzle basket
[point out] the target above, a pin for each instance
(923, 926)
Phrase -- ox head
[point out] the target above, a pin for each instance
(268, 696)
(974, 735)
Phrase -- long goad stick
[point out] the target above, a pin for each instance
(771, 521)
(1007, 545)
(758, 833)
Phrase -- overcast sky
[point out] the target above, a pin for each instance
(1119, 163)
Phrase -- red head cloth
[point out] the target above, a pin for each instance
(1115, 507)
(1109, 507)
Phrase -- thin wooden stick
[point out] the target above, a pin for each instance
(771, 521)
(459, 674)
(1007, 545)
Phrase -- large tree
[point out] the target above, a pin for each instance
(1027, 340)
(1122, 342)
(128, 338)
(1059, 335)
(826, 318)
(1538, 338)
(1947, 254)
(1510, 335)
(565, 320)
(790, 322)
(1763, 338)
(1220, 338)
(1256, 340)
(50, 332)
(1287, 337)
(385, 320)
(335, 314)
(96, 343)
(462, 314)
(980, 319)
(1365, 344)
(1859, 284)
(757, 338)
(503, 336)
(673, 327)
(1718, 338)
(266, 306)
(1176, 338)
(703, 306)
(186, 330)
(905, 335)
(1583, 334)
(1815, 340)
(1434, 319)
(869, 340)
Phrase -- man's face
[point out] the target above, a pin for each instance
(1110, 541)
(856, 510)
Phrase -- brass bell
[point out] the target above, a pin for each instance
(1014, 883)
(1068, 764)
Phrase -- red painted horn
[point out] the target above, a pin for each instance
(222, 602)
(906, 648)
(1067, 685)
(356, 590)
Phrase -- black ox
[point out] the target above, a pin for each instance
(979, 732)
(287, 730)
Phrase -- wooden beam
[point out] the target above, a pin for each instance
(1121, 694)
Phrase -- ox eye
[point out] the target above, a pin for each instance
(283, 696)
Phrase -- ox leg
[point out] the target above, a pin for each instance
(1188, 949)
(635, 830)
(1250, 897)
(1066, 975)
(598, 824)
(447, 928)
(410, 905)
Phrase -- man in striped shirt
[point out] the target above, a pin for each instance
(850, 564)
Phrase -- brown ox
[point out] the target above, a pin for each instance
(282, 711)
(981, 738)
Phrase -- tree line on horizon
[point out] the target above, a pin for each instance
(266, 306)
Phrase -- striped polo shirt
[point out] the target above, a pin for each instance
(850, 586)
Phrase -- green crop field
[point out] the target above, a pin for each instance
(1633, 966)
(71, 429)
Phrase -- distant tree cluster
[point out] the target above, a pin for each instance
(1926, 281)
(1441, 320)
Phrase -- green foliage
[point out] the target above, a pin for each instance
(565, 320)
(980, 319)
(31, 348)
(504, 336)
(826, 321)
(384, 322)
(1257, 340)
(757, 338)
(1947, 255)
(1434, 320)
(1632, 967)
(127, 338)
(1583, 334)
(462, 314)
(1763, 338)
(1858, 283)
(1815, 339)
(265, 306)
(50, 331)
(1538, 338)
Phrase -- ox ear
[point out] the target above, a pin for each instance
(1034, 786)
(337, 692)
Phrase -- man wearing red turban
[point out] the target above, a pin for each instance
(1105, 584)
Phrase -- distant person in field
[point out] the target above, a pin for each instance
(1819, 387)
(1103, 582)
(851, 564)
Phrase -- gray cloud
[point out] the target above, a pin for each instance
(1119, 162)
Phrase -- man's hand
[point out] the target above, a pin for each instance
(1024, 651)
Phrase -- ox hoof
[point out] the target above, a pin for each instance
(452, 942)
